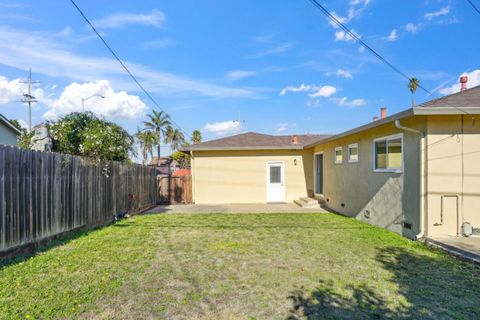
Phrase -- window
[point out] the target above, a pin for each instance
(353, 152)
(389, 154)
(275, 174)
(338, 155)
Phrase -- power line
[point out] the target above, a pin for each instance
(474, 6)
(123, 65)
(370, 49)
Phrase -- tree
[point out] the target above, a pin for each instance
(196, 136)
(174, 137)
(146, 140)
(158, 122)
(84, 134)
(412, 86)
(24, 141)
(182, 159)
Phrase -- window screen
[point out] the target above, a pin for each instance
(381, 154)
(338, 155)
(388, 153)
(275, 174)
(353, 153)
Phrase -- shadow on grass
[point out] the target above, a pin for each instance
(431, 286)
(31, 250)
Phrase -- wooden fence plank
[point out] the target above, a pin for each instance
(44, 194)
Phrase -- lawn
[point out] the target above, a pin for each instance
(238, 266)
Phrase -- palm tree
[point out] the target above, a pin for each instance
(177, 139)
(196, 136)
(158, 123)
(146, 140)
(412, 86)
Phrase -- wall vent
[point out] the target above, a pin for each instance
(407, 225)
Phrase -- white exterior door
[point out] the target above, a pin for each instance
(275, 181)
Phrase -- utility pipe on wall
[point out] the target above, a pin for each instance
(398, 125)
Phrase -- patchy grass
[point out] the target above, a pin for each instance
(238, 266)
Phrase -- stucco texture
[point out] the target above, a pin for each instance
(385, 199)
(240, 176)
(453, 180)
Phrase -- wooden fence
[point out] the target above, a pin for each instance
(174, 190)
(44, 194)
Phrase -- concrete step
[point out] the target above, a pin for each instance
(306, 203)
(309, 200)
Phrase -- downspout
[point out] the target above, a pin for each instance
(421, 234)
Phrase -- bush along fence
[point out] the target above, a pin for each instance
(44, 194)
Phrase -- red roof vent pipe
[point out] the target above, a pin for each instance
(383, 112)
(295, 139)
(463, 83)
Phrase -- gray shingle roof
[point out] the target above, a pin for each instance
(469, 98)
(258, 141)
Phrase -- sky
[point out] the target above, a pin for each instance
(224, 67)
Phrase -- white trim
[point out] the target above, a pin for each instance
(335, 155)
(315, 174)
(267, 179)
(374, 158)
(350, 146)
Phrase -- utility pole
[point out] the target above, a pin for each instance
(28, 98)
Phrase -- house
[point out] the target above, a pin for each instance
(416, 172)
(166, 165)
(9, 134)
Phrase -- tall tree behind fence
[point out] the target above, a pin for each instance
(43, 194)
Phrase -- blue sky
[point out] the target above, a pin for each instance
(279, 66)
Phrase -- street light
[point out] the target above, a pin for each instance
(85, 99)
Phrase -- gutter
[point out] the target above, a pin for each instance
(398, 125)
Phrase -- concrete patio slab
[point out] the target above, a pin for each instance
(467, 248)
(234, 208)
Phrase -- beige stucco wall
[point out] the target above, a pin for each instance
(445, 142)
(240, 176)
(381, 198)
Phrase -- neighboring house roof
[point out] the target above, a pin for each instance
(8, 124)
(256, 141)
(466, 102)
(164, 161)
(181, 172)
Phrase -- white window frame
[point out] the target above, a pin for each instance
(374, 156)
(351, 146)
(335, 155)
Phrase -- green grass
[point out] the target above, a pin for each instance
(238, 266)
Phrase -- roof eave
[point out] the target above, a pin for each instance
(242, 148)
(445, 111)
(10, 125)
(397, 116)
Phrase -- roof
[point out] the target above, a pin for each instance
(465, 102)
(164, 161)
(181, 172)
(256, 141)
(9, 125)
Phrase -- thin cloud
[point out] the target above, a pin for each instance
(313, 90)
(392, 37)
(345, 102)
(340, 73)
(51, 58)
(155, 18)
(442, 12)
(281, 48)
(412, 27)
(159, 44)
(223, 128)
(235, 75)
